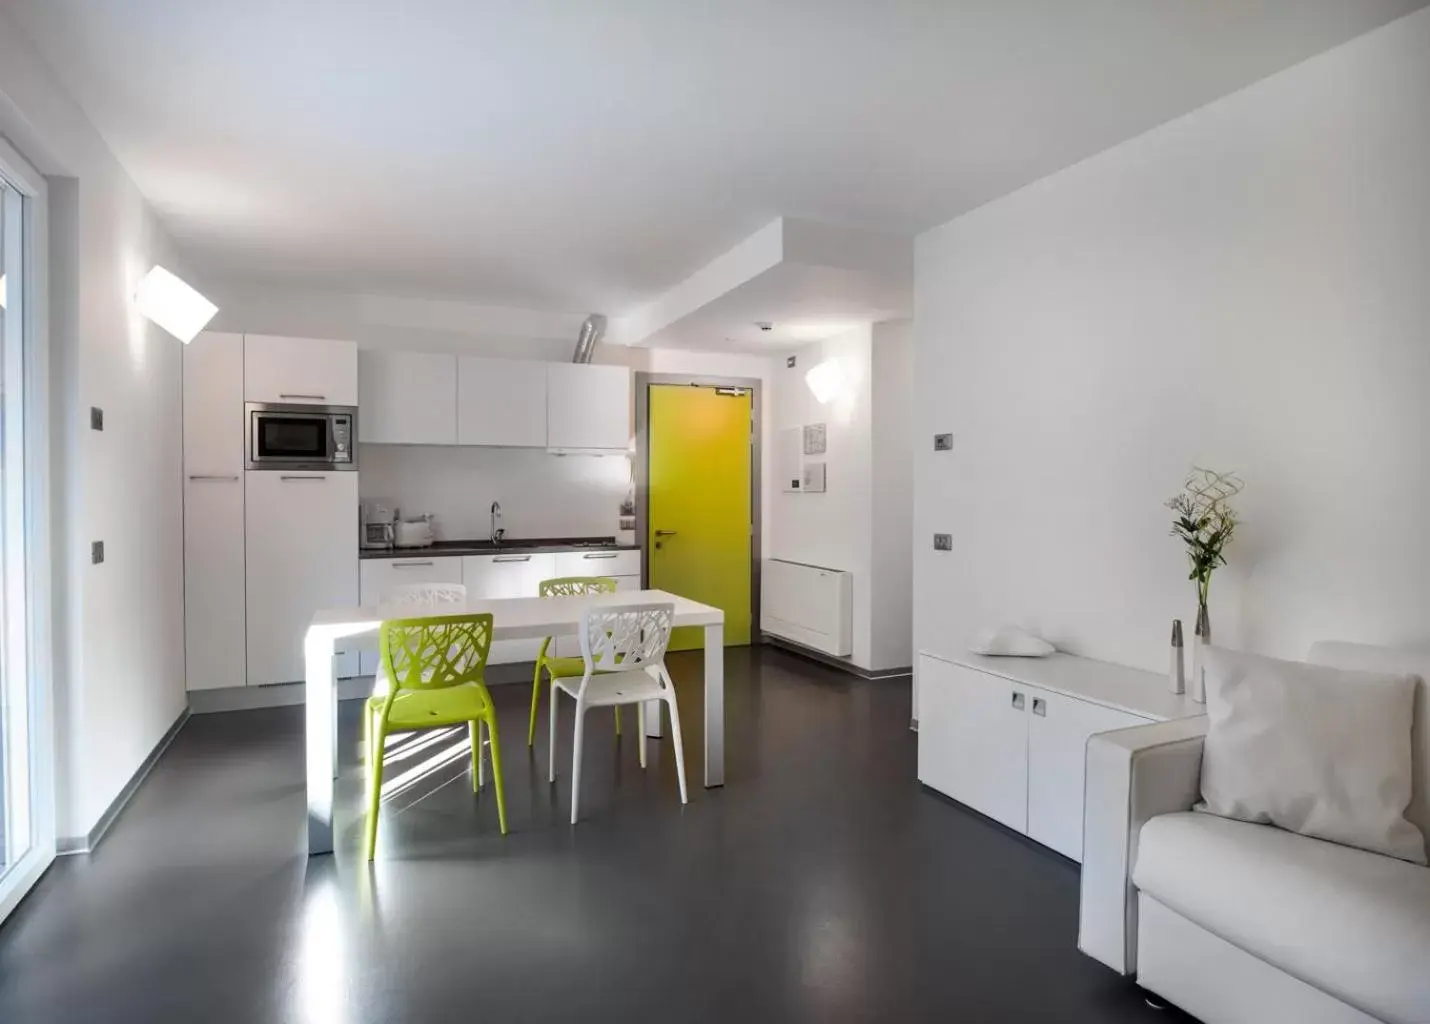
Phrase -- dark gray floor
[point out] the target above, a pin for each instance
(821, 884)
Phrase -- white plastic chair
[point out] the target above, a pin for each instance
(624, 651)
(415, 595)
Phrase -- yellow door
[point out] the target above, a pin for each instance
(699, 503)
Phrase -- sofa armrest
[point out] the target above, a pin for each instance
(1132, 775)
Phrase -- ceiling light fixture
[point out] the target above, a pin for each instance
(826, 381)
(172, 304)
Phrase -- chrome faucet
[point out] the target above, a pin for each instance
(497, 532)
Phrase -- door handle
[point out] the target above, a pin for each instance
(512, 558)
(593, 554)
(411, 565)
(665, 533)
(311, 398)
(1040, 707)
(1018, 701)
(206, 478)
(318, 479)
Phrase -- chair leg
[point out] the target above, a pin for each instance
(374, 799)
(640, 728)
(535, 703)
(496, 771)
(366, 733)
(618, 719)
(474, 731)
(576, 759)
(679, 745)
(551, 744)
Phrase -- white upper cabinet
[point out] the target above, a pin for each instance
(501, 402)
(588, 406)
(407, 398)
(299, 371)
(213, 405)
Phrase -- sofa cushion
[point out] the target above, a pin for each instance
(1354, 924)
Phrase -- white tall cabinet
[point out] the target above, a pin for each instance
(214, 607)
(302, 532)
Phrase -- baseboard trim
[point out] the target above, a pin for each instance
(834, 662)
(69, 845)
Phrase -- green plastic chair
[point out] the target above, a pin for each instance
(564, 668)
(435, 666)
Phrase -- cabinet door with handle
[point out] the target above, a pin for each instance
(378, 577)
(508, 575)
(214, 612)
(302, 540)
(973, 739)
(300, 371)
(1058, 730)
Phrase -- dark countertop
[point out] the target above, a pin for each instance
(516, 546)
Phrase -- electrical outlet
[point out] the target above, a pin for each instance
(789, 362)
(96, 418)
(96, 552)
(943, 542)
(943, 442)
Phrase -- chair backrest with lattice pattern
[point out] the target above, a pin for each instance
(624, 637)
(577, 586)
(425, 594)
(435, 653)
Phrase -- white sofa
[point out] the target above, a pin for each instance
(1235, 922)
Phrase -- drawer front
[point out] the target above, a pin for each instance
(598, 563)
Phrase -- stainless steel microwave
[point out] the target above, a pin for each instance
(308, 437)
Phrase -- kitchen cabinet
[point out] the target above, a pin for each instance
(1008, 736)
(214, 649)
(501, 402)
(407, 398)
(378, 577)
(623, 566)
(508, 575)
(302, 555)
(588, 407)
(300, 371)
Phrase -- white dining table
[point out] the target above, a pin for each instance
(513, 618)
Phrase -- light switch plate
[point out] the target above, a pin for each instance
(96, 418)
(943, 442)
(943, 542)
(789, 363)
(96, 552)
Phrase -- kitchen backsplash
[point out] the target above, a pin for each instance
(541, 495)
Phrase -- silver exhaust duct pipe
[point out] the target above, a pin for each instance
(591, 332)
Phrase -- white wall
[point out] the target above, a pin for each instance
(118, 626)
(1243, 288)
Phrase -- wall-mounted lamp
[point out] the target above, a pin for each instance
(173, 305)
(826, 381)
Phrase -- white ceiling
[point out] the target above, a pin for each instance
(590, 155)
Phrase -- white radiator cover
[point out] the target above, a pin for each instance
(809, 604)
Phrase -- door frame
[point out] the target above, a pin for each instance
(644, 382)
(25, 872)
